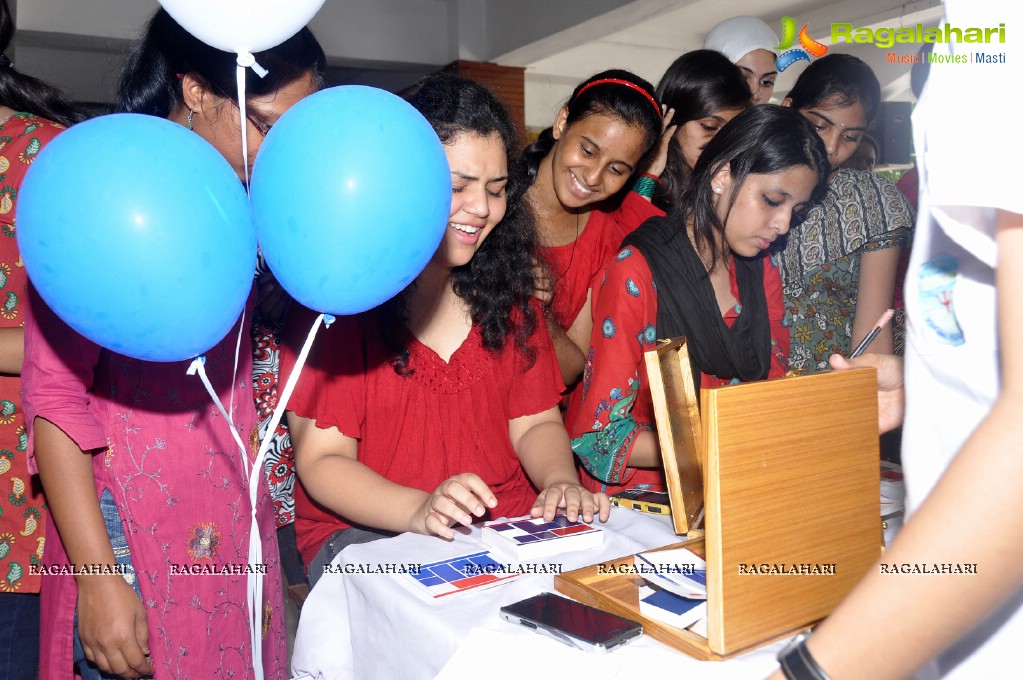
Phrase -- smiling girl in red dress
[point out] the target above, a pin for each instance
(579, 167)
(440, 406)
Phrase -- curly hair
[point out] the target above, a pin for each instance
(499, 281)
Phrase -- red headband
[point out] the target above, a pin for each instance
(626, 83)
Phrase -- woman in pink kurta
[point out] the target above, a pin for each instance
(140, 470)
(165, 454)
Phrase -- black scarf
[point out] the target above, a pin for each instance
(687, 306)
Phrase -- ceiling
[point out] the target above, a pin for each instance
(390, 43)
(648, 47)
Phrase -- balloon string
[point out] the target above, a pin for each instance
(242, 120)
(255, 580)
(255, 596)
(282, 401)
(255, 576)
(237, 355)
(198, 366)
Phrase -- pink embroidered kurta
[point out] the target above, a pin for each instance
(175, 472)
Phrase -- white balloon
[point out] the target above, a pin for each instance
(242, 25)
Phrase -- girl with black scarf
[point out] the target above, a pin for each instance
(701, 272)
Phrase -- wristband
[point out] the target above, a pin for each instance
(645, 186)
(797, 663)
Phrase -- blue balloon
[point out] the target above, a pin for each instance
(138, 234)
(351, 194)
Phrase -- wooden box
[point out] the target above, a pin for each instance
(787, 473)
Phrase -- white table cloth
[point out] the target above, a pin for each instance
(367, 626)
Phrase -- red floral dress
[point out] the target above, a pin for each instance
(279, 463)
(615, 403)
(22, 506)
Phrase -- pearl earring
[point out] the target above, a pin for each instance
(717, 190)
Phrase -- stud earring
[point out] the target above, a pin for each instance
(717, 190)
(188, 123)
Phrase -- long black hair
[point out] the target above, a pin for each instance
(697, 84)
(498, 282)
(843, 77)
(25, 93)
(151, 79)
(761, 140)
(636, 105)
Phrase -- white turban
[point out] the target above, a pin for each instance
(738, 36)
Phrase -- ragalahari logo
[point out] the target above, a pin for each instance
(808, 46)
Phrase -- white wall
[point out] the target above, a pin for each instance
(102, 18)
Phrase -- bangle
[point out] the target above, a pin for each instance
(645, 186)
(798, 664)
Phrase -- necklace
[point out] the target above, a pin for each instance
(571, 256)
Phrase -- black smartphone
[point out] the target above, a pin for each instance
(577, 625)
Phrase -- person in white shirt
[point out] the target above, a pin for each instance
(963, 395)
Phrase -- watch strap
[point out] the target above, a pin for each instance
(798, 664)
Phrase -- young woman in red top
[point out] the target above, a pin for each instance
(579, 168)
(440, 407)
(700, 272)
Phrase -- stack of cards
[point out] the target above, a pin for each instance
(669, 608)
(678, 571)
(457, 576)
(525, 538)
(677, 590)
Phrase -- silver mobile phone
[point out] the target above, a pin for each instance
(574, 624)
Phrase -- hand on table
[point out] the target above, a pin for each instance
(891, 397)
(455, 501)
(113, 627)
(577, 502)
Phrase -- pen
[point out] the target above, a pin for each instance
(881, 323)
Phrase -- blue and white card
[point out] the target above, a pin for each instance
(679, 571)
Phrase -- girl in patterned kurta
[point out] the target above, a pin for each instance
(701, 273)
(839, 266)
(578, 169)
(22, 505)
(441, 405)
(139, 468)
